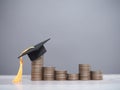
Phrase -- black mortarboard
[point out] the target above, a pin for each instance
(36, 51)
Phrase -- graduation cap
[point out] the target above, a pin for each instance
(36, 51)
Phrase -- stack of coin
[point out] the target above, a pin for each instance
(36, 69)
(84, 71)
(60, 75)
(96, 75)
(73, 76)
(48, 73)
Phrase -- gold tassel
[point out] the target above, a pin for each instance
(18, 77)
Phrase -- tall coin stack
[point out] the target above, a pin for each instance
(73, 76)
(36, 69)
(96, 75)
(84, 71)
(49, 73)
(61, 75)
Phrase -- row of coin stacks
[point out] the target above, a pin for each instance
(85, 73)
(38, 72)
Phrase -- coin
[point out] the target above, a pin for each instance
(96, 75)
(61, 75)
(37, 69)
(61, 72)
(73, 76)
(84, 72)
(85, 78)
(48, 73)
(84, 65)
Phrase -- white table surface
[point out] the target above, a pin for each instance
(110, 82)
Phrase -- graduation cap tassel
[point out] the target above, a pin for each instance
(33, 52)
(18, 77)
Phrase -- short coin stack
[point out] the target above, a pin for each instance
(73, 76)
(36, 69)
(61, 75)
(84, 71)
(49, 73)
(96, 75)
